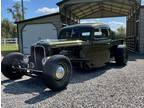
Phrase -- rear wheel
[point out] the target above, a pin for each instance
(57, 72)
(121, 55)
(10, 65)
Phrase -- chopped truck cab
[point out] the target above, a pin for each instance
(84, 45)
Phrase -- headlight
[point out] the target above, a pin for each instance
(44, 60)
(26, 59)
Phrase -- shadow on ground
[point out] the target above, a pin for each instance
(135, 56)
(32, 86)
(40, 92)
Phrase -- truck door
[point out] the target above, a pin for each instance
(98, 51)
(101, 46)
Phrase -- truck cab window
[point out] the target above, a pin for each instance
(97, 33)
(85, 34)
(105, 32)
(65, 34)
(101, 33)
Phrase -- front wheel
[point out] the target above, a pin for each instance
(10, 65)
(57, 72)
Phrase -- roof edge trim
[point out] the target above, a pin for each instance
(49, 15)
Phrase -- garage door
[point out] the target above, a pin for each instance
(35, 32)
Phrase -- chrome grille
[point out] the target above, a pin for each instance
(39, 54)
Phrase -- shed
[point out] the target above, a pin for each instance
(35, 29)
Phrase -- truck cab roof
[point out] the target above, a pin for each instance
(84, 31)
(91, 25)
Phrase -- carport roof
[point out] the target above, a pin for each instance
(99, 8)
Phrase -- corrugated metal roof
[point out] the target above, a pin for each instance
(98, 8)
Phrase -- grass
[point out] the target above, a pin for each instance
(9, 47)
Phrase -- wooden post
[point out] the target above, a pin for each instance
(16, 42)
(22, 9)
(4, 41)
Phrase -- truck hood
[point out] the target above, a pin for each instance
(61, 43)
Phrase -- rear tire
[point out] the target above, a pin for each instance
(57, 72)
(121, 56)
(9, 64)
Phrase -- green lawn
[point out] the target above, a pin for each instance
(9, 47)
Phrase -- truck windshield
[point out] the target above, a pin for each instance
(76, 33)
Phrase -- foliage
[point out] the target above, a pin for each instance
(15, 10)
(9, 47)
(121, 32)
(9, 30)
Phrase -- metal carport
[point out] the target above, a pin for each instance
(72, 11)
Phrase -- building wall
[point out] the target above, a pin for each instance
(141, 38)
(55, 20)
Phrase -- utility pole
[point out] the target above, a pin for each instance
(22, 9)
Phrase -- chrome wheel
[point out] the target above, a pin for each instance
(60, 72)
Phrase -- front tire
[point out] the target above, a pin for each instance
(9, 66)
(57, 72)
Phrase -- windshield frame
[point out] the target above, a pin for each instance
(79, 30)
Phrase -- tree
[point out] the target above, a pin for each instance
(121, 31)
(15, 10)
(8, 29)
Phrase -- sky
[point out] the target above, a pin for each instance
(42, 7)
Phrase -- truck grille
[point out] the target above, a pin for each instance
(39, 54)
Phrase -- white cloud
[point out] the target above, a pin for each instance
(20, 0)
(89, 20)
(114, 25)
(47, 10)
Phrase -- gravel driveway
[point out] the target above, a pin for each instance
(108, 87)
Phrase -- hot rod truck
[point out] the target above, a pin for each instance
(84, 45)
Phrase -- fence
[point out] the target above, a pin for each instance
(6, 41)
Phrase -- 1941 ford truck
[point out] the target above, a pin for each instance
(84, 45)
